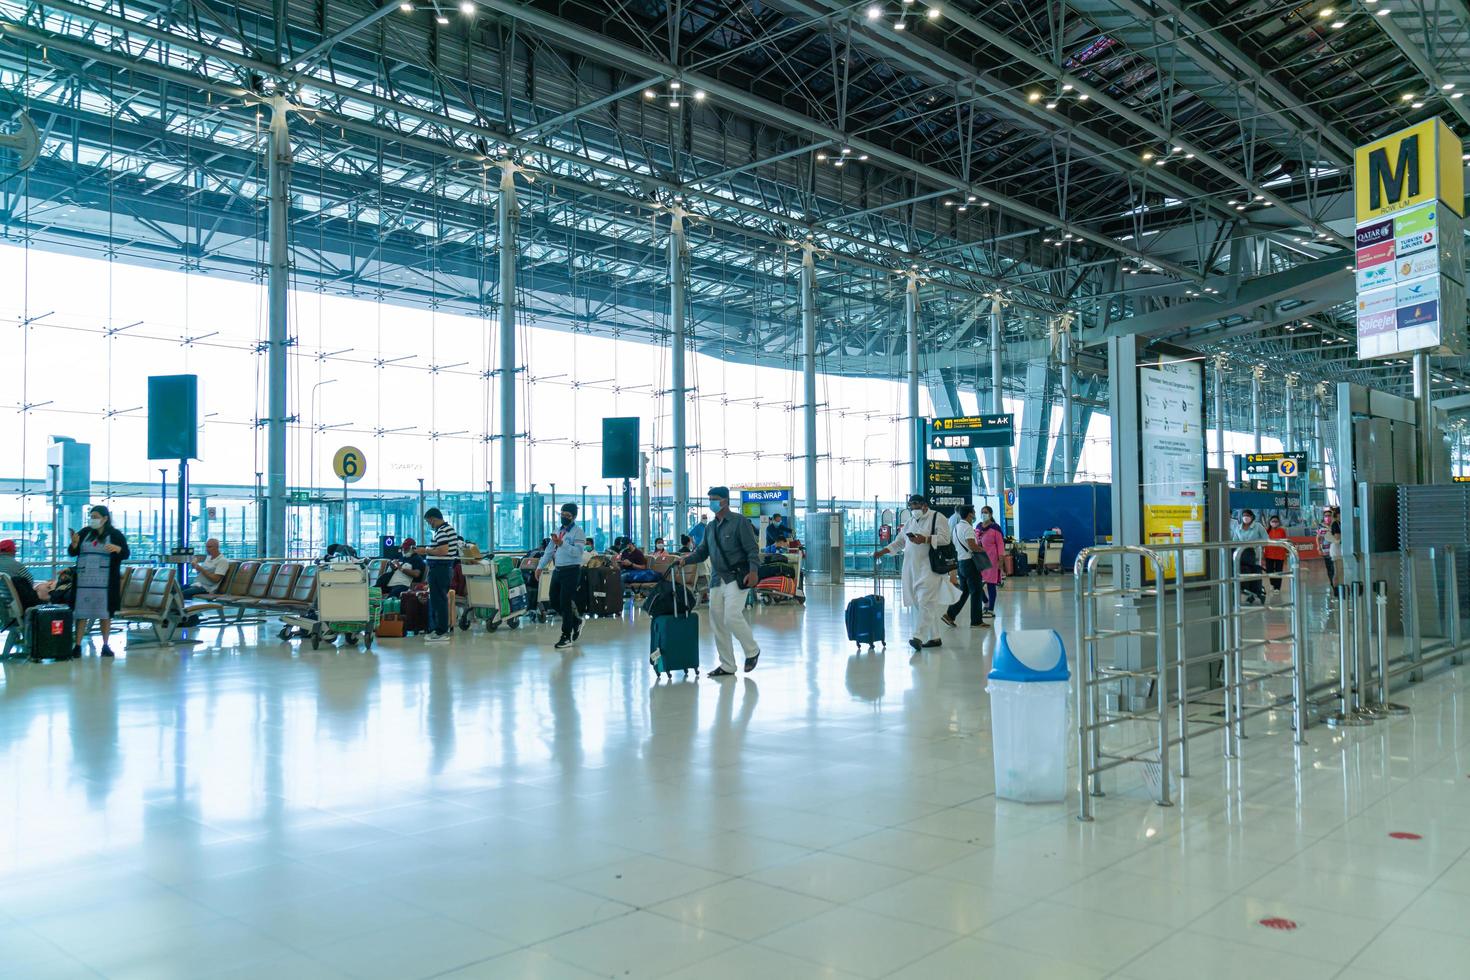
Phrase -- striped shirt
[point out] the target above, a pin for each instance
(446, 535)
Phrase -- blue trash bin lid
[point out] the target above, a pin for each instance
(1030, 655)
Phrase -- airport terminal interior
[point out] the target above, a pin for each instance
(705, 489)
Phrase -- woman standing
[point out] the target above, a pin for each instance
(1275, 557)
(923, 588)
(100, 551)
(993, 542)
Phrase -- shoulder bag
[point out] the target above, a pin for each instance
(943, 559)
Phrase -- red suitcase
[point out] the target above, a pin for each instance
(414, 606)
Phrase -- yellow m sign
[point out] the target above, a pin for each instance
(1413, 166)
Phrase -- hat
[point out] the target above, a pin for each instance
(7, 547)
(408, 543)
(919, 497)
(722, 492)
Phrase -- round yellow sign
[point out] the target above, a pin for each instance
(349, 464)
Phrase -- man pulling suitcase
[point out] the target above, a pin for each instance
(730, 545)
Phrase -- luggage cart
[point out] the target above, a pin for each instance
(346, 606)
(482, 598)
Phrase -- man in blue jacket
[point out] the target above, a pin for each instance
(734, 554)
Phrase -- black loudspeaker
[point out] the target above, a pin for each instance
(620, 448)
(173, 416)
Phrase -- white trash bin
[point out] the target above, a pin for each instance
(1028, 716)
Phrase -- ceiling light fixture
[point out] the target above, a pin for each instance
(466, 7)
(1326, 12)
(407, 8)
(1338, 24)
(874, 12)
(1033, 96)
(440, 18)
(933, 13)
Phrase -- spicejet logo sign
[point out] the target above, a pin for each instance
(1413, 166)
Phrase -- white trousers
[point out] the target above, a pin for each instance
(926, 620)
(727, 616)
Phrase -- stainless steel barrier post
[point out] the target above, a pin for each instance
(1181, 662)
(1386, 705)
(1235, 678)
(1452, 586)
(1346, 716)
(1299, 654)
(1161, 658)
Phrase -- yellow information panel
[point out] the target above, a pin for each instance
(1411, 167)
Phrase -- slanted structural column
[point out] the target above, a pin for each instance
(1220, 411)
(278, 281)
(916, 434)
(678, 284)
(1256, 406)
(809, 375)
(507, 218)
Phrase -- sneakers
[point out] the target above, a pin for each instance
(563, 643)
(946, 620)
(107, 651)
(437, 638)
(931, 643)
(916, 643)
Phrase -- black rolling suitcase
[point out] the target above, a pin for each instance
(604, 591)
(49, 632)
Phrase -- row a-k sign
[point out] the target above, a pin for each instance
(1411, 167)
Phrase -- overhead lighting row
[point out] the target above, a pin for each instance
(907, 12)
(466, 7)
(1067, 91)
(842, 157)
(1241, 203)
(1416, 101)
(964, 205)
(1160, 157)
(674, 96)
(1337, 21)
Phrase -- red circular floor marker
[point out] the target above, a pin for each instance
(1285, 925)
(1405, 835)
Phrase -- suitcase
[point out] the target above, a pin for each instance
(604, 588)
(49, 632)
(774, 569)
(414, 608)
(864, 619)
(391, 625)
(779, 584)
(673, 644)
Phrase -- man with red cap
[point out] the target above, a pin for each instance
(25, 586)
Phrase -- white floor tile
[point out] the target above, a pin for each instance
(1422, 954)
(742, 908)
(1097, 939)
(978, 958)
(858, 942)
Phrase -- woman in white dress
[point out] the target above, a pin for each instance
(924, 590)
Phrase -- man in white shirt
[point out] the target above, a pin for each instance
(923, 588)
(209, 571)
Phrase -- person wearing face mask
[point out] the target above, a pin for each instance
(923, 588)
(730, 545)
(990, 539)
(565, 551)
(1275, 557)
(1247, 530)
(100, 549)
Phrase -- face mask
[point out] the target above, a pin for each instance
(658, 546)
(588, 549)
(95, 523)
(714, 505)
(566, 521)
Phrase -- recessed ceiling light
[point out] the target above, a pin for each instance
(649, 93)
(407, 8)
(1326, 12)
(698, 96)
(674, 85)
(466, 7)
(874, 12)
(1033, 96)
(1147, 155)
(1051, 105)
(442, 19)
(1417, 105)
(1407, 97)
(1083, 97)
(1066, 86)
(899, 25)
(933, 13)
(1337, 24)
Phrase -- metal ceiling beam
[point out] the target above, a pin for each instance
(1319, 282)
(303, 62)
(779, 115)
(1417, 58)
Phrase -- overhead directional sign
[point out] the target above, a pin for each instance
(973, 432)
(948, 483)
(1263, 466)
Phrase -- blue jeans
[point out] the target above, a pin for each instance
(440, 573)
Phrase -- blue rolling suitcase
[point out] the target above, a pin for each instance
(864, 617)
(673, 640)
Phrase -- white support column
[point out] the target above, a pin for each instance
(1068, 474)
(278, 284)
(678, 284)
(507, 216)
(916, 437)
(809, 376)
(1000, 456)
(1220, 413)
(1256, 373)
(1288, 438)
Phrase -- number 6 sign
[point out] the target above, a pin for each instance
(349, 464)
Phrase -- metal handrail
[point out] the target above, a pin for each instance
(1235, 678)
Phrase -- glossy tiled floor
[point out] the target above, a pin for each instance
(495, 808)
